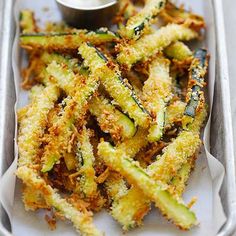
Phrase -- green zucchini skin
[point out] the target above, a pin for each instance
(65, 41)
(170, 207)
(117, 87)
(156, 93)
(195, 96)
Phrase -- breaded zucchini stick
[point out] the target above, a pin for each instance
(65, 41)
(153, 43)
(82, 220)
(110, 119)
(75, 108)
(32, 198)
(131, 146)
(33, 95)
(170, 207)
(174, 156)
(195, 96)
(88, 185)
(156, 94)
(138, 23)
(118, 88)
(32, 127)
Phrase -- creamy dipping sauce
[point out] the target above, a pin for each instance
(86, 3)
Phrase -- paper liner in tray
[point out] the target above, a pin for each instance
(205, 181)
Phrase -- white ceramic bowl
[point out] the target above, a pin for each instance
(89, 17)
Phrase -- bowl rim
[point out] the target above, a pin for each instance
(109, 4)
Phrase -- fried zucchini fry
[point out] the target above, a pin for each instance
(170, 207)
(88, 184)
(65, 41)
(33, 94)
(75, 108)
(70, 62)
(131, 146)
(32, 127)
(195, 96)
(199, 119)
(21, 113)
(82, 220)
(178, 183)
(153, 43)
(174, 156)
(110, 119)
(117, 87)
(139, 23)
(156, 94)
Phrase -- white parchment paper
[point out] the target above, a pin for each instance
(205, 181)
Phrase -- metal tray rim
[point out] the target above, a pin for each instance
(230, 225)
(5, 49)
